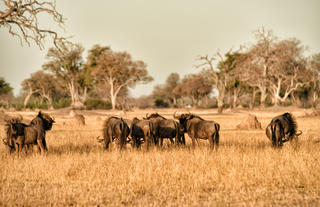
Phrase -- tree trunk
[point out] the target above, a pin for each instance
(220, 103)
(263, 97)
(253, 98)
(314, 100)
(27, 98)
(235, 97)
(74, 92)
(230, 99)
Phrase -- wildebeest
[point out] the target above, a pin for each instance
(166, 128)
(115, 129)
(142, 129)
(20, 135)
(282, 128)
(198, 128)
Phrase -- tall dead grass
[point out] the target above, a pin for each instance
(245, 171)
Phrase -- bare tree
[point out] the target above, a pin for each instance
(22, 20)
(119, 70)
(221, 74)
(27, 87)
(67, 65)
(259, 61)
(287, 69)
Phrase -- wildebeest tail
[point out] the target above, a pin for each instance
(216, 134)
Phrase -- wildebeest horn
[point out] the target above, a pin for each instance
(147, 115)
(99, 140)
(175, 116)
(299, 133)
(20, 117)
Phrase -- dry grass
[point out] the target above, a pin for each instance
(245, 171)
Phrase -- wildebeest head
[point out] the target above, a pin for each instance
(43, 119)
(184, 118)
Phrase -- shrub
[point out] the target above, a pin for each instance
(95, 103)
(160, 103)
(62, 103)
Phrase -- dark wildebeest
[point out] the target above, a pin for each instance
(115, 128)
(142, 131)
(282, 128)
(166, 128)
(13, 129)
(20, 135)
(198, 128)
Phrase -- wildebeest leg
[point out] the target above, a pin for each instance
(43, 149)
(122, 142)
(183, 139)
(211, 141)
(277, 135)
(20, 148)
(171, 140)
(161, 141)
(197, 142)
(44, 143)
(193, 142)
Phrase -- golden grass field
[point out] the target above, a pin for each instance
(245, 171)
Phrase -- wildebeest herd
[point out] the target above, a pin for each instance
(151, 130)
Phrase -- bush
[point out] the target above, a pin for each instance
(95, 103)
(62, 103)
(160, 103)
(36, 105)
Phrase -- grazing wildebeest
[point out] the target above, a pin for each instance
(20, 135)
(115, 129)
(282, 128)
(198, 128)
(166, 128)
(142, 131)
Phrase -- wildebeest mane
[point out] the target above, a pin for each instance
(293, 121)
(43, 120)
(192, 116)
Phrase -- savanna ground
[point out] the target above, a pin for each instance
(245, 171)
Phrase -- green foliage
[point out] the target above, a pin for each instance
(95, 103)
(5, 87)
(160, 103)
(36, 105)
(62, 103)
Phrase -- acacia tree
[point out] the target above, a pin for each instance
(194, 86)
(67, 66)
(5, 91)
(44, 85)
(258, 60)
(22, 18)
(221, 75)
(287, 70)
(166, 91)
(119, 70)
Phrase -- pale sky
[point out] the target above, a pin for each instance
(166, 34)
